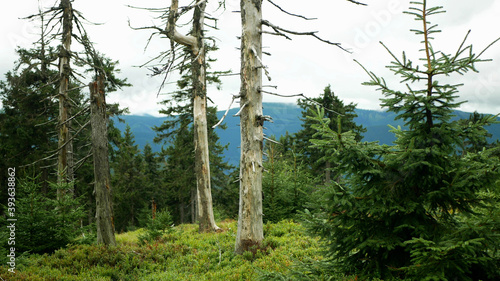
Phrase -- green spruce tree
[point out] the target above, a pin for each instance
(128, 180)
(334, 107)
(179, 178)
(26, 133)
(287, 181)
(416, 209)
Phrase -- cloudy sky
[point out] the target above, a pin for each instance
(302, 65)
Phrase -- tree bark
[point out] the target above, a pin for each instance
(104, 207)
(181, 212)
(193, 203)
(65, 157)
(202, 162)
(250, 226)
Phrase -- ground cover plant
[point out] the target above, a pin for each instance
(180, 254)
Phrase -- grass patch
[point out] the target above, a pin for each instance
(181, 254)
(129, 238)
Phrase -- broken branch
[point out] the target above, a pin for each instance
(281, 31)
(261, 64)
(356, 2)
(271, 140)
(239, 111)
(225, 114)
(288, 13)
(301, 95)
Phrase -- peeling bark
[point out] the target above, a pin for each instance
(104, 208)
(250, 225)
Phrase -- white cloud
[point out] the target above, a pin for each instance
(303, 65)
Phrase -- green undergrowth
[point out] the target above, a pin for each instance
(181, 254)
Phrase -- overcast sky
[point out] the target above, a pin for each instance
(302, 65)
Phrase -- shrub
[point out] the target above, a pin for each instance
(43, 224)
(157, 227)
(187, 255)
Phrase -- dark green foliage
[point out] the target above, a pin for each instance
(294, 169)
(156, 227)
(136, 182)
(178, 171)
(26, 133)
(28, 119)
(43, 224)
(287, 183)
(179, 177)
(130, 188)
(333, 108)
(226, 197)
(422, 208)
(87, 235)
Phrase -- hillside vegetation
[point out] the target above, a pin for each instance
(286, 119)
(181, 254)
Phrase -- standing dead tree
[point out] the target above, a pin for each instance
(250, 224)
(198, 72)
(98, 120)
(195, 42)
(65, 160)
(65, 24)
(62, 20)
(202, 161)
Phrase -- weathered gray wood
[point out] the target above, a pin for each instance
(250, 226)
(104, 207)
(198, 72)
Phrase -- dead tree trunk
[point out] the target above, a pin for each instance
(98, 120)
(65, 157)
(250, 226)
(202, 163)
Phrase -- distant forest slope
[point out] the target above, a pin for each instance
(286, 117)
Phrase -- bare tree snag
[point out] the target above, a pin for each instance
(65, 155)
(198, 72)
(250, 226)
(174, 35)
(202, 161)
(104, 207)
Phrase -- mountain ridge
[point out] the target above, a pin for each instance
(286, 118)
